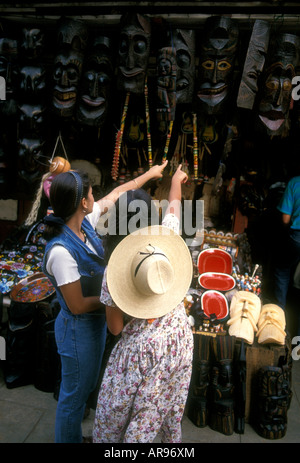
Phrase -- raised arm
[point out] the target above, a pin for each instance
(175, 193)
(153, 173)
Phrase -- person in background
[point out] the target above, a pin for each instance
(146, 380)
(73, 261)
(288, 251)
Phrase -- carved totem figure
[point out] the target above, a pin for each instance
(166, 84)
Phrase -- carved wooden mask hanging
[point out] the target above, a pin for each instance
(166, 84)
(30, 153)
(32, 118)
(32, 43)
(72, 40)
(134, 50)
(216, 64)
(184, 43)
(275, 91)
(254, 64)
(32, 82)
(95, 84)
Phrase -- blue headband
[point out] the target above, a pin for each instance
(79, 187)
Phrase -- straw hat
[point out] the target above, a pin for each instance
(149, 272)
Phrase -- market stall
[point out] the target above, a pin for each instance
(198, 94)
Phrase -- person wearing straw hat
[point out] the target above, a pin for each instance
(73, 261)
(146, 380)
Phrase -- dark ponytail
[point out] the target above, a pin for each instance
(66, 192)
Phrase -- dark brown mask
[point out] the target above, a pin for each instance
(95, 84)
(216, 64)
(134, 50)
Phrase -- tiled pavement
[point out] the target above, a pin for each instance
(27, 415)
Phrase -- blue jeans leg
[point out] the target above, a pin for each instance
(80, 340)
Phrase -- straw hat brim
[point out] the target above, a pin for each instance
(121, 287)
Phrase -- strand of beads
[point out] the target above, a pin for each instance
(168, 141)
(148, 125)
(195, 146)
(119, 137)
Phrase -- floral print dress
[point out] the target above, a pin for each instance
(146, 381)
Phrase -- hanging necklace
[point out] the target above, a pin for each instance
(84, 235)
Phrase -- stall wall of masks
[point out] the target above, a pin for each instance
(216, 98)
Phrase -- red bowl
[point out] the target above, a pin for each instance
(214, 302)
(214, 260)
(217, 281)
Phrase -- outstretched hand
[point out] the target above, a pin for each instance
(179, 175)
(157, 171)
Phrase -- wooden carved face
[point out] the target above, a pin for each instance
(72, 34)
(32, 81)
(276, 88)
(66, 77)
(32, 43)
(216, 64)
(32, 117)
(72, 41)
(95, 84)
(134, 50)
(254, 64)
(184, 43)
(30, 152)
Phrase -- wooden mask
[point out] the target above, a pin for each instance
(32, 118)
(216, 64)
(32, 82)
(32, 43)
(94, 91)
(275, 91)
(72, 40)
(134, 50)
(254, 64)
(184, 43)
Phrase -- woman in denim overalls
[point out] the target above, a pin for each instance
(73, 261)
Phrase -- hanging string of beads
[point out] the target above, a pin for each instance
(119, 137)
(195, 146)
(148, 125)
(168, 140)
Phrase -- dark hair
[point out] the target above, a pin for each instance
(67, 190)
(122, 220)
